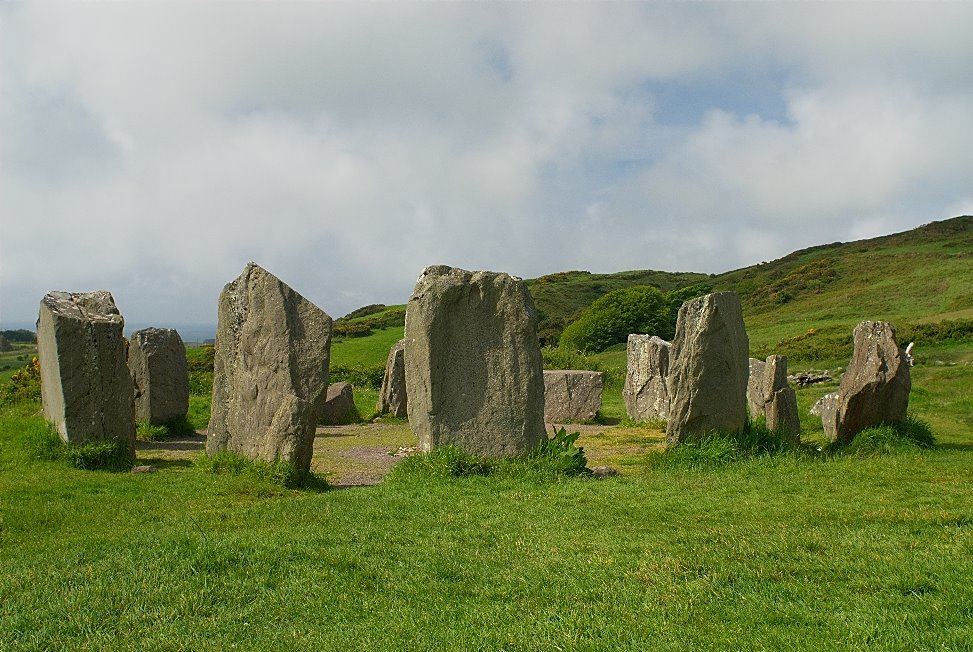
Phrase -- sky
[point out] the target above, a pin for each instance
(153, 149)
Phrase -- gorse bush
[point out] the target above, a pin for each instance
(24, 385)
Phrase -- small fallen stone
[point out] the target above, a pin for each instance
(604, 471)
(403, 451)
(144, 469)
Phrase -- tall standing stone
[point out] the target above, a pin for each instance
(875, 387)
(708, 368)
(85, 385)
(157, 361)
(571, 395)
(646, 391)
(392, 398)
(473, 368)
(769, 396)
(271, 370)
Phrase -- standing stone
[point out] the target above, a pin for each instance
(875, 388)
(769, 396)
(473, 368)
(708, 369)
(157, 361)
(339, 405)
(270, 370)
(85, 385)
(571, 395)
(646, 391)
(392, 398)
(827, 408)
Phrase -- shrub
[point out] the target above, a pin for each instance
(358, 375)
(24, 385)
(559, 455)
(200, 358)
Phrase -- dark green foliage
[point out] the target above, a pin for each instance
(358, 375)
(560, 454)
(610, 319)
(20, 335)
(5, 344)
(641, 309)
(560, 298)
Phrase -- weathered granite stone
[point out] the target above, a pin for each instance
(646, 392)
(781, 414)
(708, 368)
(339, 406)
(827, 408)
(392, 398)
(271, 370)
(473, 368)
(157, 361)
(85, 385)
(875, 388)
(769, 396)
(571, 395)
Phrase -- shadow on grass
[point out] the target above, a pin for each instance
(954, 447)
(332, 435)
(183, 443)
(162, 463)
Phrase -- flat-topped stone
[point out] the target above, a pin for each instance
(473, 367)
(157, 362)
(86, 388)
(571, 395)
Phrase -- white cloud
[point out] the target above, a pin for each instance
(152, 149)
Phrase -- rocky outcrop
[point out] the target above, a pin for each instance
(708, 368)
(392, 398)
(85, 385)
(646, 392)
(571, 395)
(157, 362)
(271, 370)
(473, 368)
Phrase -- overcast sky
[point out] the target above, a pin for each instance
(152, 149)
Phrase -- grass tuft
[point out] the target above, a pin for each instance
(912, 434)
(279, 472)
(720, 448)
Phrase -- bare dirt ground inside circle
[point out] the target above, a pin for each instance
(362, 454)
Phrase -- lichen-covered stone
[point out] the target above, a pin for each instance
(708, 368)
(157, 361)
(769, 396)
(392, 398)
(646, 392)
(875, 387)
(826, 407)
(339, 405)
(85, 385)
(473, 368)
(270, 370)
(571, 395)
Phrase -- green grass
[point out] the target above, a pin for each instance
(764, 553)
(10, 361)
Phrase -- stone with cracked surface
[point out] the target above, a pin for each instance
(339, 405)
(473, 370)
(86, 388)
(708, 368)
(571, 395)
(646, 391)
(270, 380)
